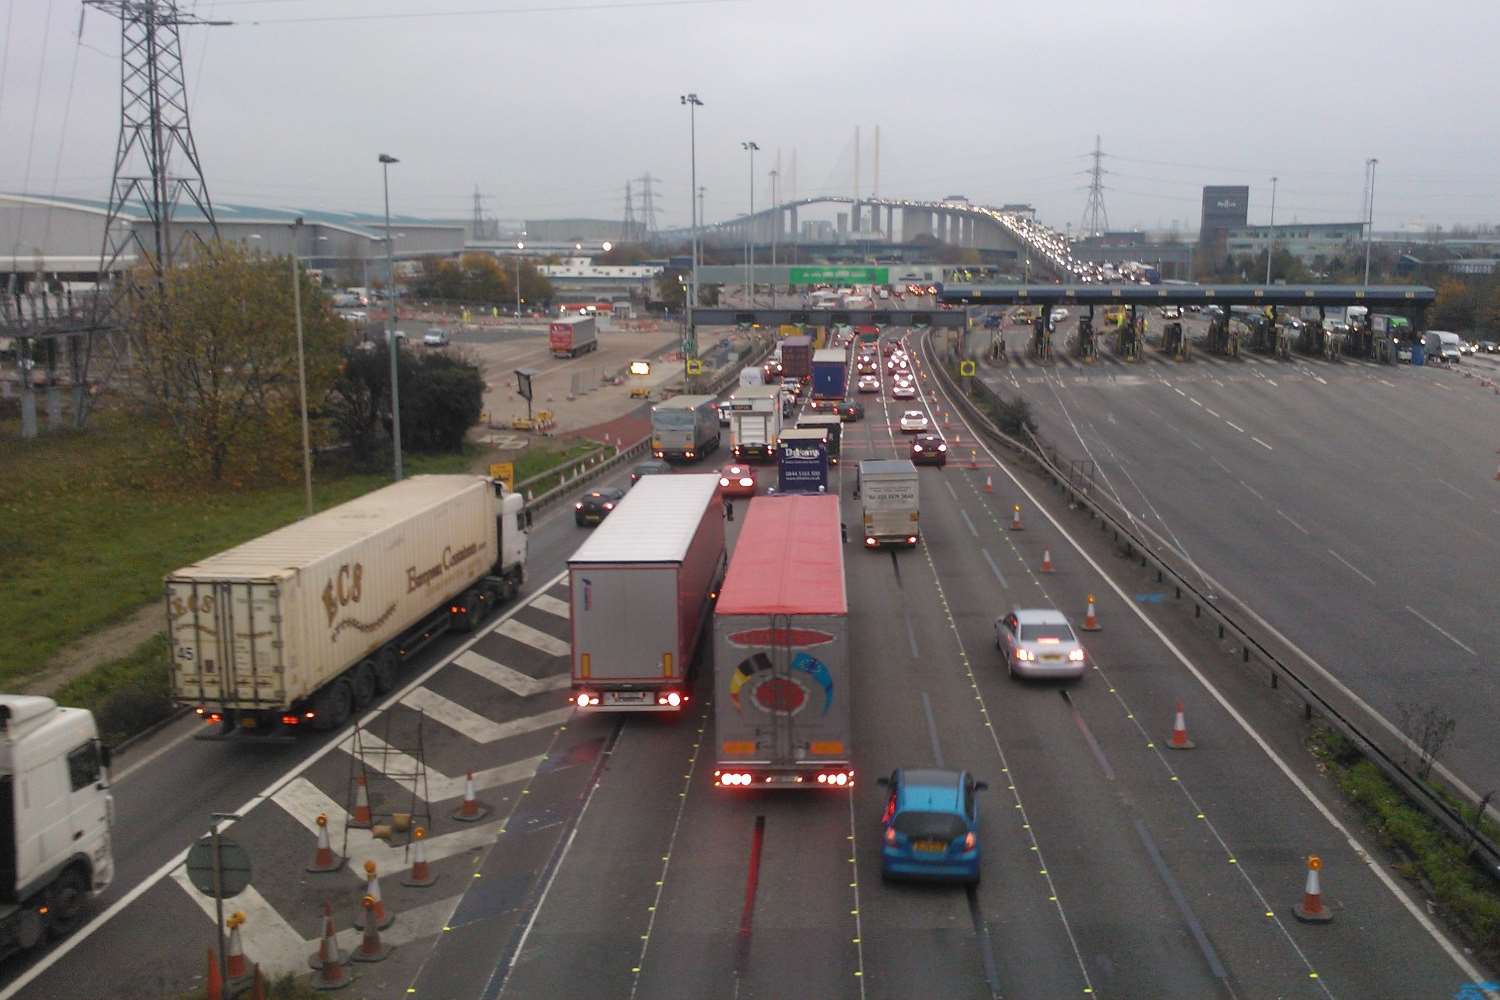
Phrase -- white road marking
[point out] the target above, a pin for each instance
(536, 638)
(1321, 379)
(1210, 412)
(512, 680)
(1285, 517)
(1444, 632)
(995, 569)
(552, 605)
(1373, 866)
(1220, 464)
(1194, 401)
(1179, 392)
(471, 724)
(972, 530)
(1455, 489)
(1261, 443)
(1353, 567)
(1272, 381)
(1252, 489)
(267, 937)
(1236, 426)
(194, 727)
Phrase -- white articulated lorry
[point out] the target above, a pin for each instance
(305, 625)
(55, 850)
(641, 590)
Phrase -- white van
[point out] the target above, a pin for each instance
(1442, 346)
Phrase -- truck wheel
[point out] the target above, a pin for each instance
(362, 683)
(333, 705)
(387, 670)
(473, 611)
(67, 903)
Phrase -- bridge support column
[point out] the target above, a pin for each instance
(890, 222)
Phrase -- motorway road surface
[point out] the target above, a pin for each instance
(608, 865)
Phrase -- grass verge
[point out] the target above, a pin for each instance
(1468, 897)
(127, 695)
(287, 987)
(534, 463)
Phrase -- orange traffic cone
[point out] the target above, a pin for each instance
(989, 487)
(328, 952)
(1311, 910)
(421, 875)
(332, 974)
(1090, 619)
(214, 986)
(973, 459)
(370, 947)
(1179, 740)
(361, 817)
(258, 985)
(381, 917)
(324, 860)
(235, 963)
(1015, 517)
(471, 809)
(1046, 560)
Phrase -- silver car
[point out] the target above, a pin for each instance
(1039, 642)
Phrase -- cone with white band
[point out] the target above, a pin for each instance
(361, 818)
(421, 874)
(989, 487)
(371, 949)
(1015, 517)
(328, 945)
(382, 917)
(1311, 909)
(1179, 740)
(1046, 560)
(1090, 619)
(471, 810)
(324, 860)
(234, 961)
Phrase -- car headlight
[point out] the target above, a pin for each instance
(1025, 654)
(723, 481)
(916, 447)
(942, 447)
(609, 506)
(1076, 655)
(747, 481)
(578, 506)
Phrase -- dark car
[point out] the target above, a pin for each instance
(929, 448)
(851, 411)
(930, 827)
(650, 467)
(596, 504)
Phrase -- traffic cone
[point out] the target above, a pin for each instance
(382, 917)
(258, 985)
(1179, 740)
(328, 952)
(471, 809)
(421, 875)
(1311, 910)
(370, 947)
(1046, 560)
(989, 487)
(973, 459)
(235, 964)
(334, 973)
(324, 860)
(1015, 517)
(214, 986)
(361, 816)
(1090, 619)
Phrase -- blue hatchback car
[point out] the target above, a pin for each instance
(930, 827)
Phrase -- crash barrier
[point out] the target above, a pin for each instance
(1322, 694)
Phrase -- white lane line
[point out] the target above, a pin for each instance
(512, 680)
(1210, 412)
(1236, 426)
(1444, 632)
(1455, 489)
(1373, 866)
(275, 943)
(1194, 401)
(1321, 379)
(65, 948)
(193, 728)
(551, 605)
(1351, 566)
(995, 569)
(972, 530)
(1179, 392)
(1283, 515)
(950, 488)
(1252, 489)
(1220, 465)
(536, 638)
(1261, 443)
(1384, 382)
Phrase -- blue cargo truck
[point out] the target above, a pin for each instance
(830, 369)
(802, 461)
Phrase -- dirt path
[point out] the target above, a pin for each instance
(107, 644)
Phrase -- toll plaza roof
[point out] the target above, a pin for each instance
(828, 317)
(1375, 296)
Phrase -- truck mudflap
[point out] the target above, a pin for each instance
(812, 777)
(664, 699)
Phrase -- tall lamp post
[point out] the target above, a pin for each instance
(775, 231)
(1370, 218)
(1271, 246)
(519, 247)
(301, 369)
(690, 341)
(750, 148)
(390, 315)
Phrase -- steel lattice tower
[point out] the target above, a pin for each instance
(1095, 218)
(627, 230)
(648, 203)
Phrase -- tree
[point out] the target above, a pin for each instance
(358, 403)
(218, 360)
(1456, 306)
(671, 288)
(442, 400)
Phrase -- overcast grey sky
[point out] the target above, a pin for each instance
(550, 110)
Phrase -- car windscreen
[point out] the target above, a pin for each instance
(1038, 633)
(919, 825)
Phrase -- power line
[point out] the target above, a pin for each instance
(496, 11)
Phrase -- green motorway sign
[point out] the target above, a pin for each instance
(840, 275)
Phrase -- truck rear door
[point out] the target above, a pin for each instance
(226, 641)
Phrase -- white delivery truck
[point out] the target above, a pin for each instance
(752, 376)
(55, 849)
(781, 651)
(887, 491)
(309, 623)
(755, 415)
(1441, 347)
(641, 590)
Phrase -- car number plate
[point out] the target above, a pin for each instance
(628, 697)
(1051, 657)
(931, 846)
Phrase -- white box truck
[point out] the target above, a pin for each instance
(1441, 347)
(782, 676)
(55, 848)
(641, 589)
(305, 625)
(755, 415)
(887, 491)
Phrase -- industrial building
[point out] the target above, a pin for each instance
(1225, 207)
(1306, 241)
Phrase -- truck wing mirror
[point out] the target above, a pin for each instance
(106, 755)
(980, 786)
(528, 517)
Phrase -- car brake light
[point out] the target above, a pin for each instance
(890, 835)
(291, 720)
(747, 481)
(609, 506)
(578, 506)
(1076, 655)
(723, 481)
(870, 542)
(970, 840)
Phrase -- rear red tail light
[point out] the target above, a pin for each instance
(291, 720)
(969, 841)
(890, 835)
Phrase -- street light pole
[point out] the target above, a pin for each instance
(775, 231)
(750, 147)
(390, 316)
(1370, 218)
(519, 247)
(690, 341)
(301, 370)
(1271, 246)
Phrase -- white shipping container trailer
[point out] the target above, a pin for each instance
(641, 589)
(309, 623)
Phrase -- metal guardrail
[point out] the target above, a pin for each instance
(1253, 642)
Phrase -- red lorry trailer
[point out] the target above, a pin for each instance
(641, 590)
(781, 651)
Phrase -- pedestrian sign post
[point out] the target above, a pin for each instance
(966, 369)
(694, 366)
